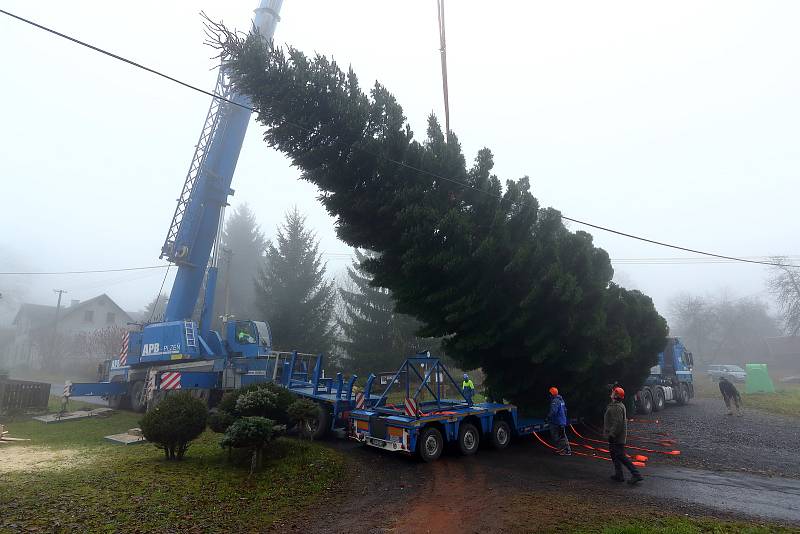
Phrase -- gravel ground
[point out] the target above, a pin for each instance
(758, 442)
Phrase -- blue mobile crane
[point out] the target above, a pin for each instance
(179, 353)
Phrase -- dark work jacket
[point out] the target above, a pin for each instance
(728, 390)
(615, 423)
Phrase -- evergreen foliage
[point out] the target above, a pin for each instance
(510, 287)
(376, 338)
(292, 293)
(244, 241)
(174, 423)
(252, 433)
(304, 411)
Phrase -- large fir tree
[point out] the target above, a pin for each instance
(376, 337)
(292, 292)
(515, 292)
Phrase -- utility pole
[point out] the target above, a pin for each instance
(55, 325)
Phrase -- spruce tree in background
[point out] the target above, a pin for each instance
(244, 247)
(292, 293)
(376, 338)
(510, 287)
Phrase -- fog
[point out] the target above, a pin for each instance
(678, 122)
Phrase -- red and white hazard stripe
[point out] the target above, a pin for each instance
(123, 353)
(170, 380)
(359, 401)
(411, 407)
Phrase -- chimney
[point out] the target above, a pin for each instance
(74, 302)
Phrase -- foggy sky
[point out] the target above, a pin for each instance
(677, 121)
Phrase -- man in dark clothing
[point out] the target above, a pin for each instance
(730, 395)
(557, 419)
(615, 429)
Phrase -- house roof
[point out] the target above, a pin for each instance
(40, 315)
(37, 314)
(783, 346)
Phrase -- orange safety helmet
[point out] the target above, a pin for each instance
(618, 392)
(553, 391)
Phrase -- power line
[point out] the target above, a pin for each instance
(391, 160)
(85, 272)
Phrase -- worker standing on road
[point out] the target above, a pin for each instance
(557, 419)
(730, 395)
(615, 429)
(468, 389)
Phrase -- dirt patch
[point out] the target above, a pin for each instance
(28, 458)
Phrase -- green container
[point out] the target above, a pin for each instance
(758, 380)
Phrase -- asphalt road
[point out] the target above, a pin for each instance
(729, 467)
(498, 491)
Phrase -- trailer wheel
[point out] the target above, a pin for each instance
(646, 404)
(138, 397)
(501, 435)
(430, 444)
(468, 439)
(317, 428)
(659, 401)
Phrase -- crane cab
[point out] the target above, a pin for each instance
(248, 339)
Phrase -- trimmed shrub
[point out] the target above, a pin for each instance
(278, 412)
(174, 423)
(219, 421)
(304, 412)
(253, 433)
(256, 403)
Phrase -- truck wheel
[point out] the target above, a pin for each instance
(317, 428)
(646, 404)
(468, 439)
(138, 398)
(430, 444)
(659, 401)
(501, 435)
(683, 394)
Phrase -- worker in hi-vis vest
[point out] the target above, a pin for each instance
(467, 389)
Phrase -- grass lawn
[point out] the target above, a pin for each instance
(556, 512)
(785, 400)
(680, 525)
(69, 479)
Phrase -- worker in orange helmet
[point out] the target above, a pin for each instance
(557, 420)
(615, 429)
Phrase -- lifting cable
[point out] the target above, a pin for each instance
(668, 453)
(636, 460)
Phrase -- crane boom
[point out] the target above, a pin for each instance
(198, 216)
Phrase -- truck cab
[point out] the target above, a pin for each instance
(670, 380)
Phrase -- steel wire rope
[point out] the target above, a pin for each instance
(386, 158)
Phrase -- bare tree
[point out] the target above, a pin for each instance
(784, 284)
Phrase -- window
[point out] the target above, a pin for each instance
(88, 316)
(111, 318)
